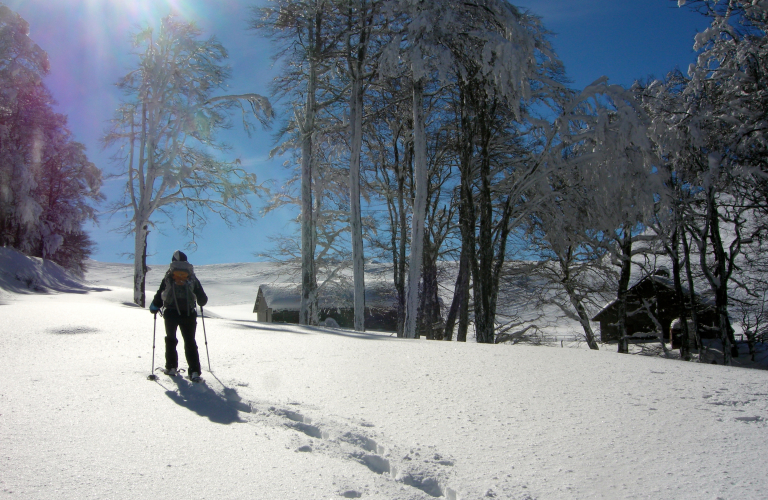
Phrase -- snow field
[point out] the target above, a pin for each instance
(298, 412)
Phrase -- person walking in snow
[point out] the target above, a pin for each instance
(179, 293)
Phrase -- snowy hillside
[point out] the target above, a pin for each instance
(21, 274)
(292, 412)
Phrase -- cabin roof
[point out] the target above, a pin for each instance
(287, 296)
(647, 286)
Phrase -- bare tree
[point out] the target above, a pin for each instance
(165, 133)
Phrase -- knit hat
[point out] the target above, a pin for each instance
(178, 255)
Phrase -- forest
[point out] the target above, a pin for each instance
(454, 127)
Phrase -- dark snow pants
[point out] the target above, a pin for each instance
(188, 326)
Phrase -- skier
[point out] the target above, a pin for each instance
(177, 293)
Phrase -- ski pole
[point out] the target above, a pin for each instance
(152, 375)
(205, 336)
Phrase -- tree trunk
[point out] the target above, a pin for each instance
(584, 320)
(140, 263)
(141, 211)
(626, 267)
(466, 223)
(307, 253)
(717, 277)
(720, 286)
(419, 210)
(399, 235)
(466, 211)
(313, 297)
(685, 341)
(356, 224)
(487, 265)
(691, 291)
(307, 219)
(460, 302)
(576, 300)
(401, 285)
(430, 310)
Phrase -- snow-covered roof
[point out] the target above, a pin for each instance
(287, 296)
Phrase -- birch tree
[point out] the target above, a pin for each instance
(165, 133)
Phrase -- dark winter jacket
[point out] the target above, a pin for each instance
(200, 295)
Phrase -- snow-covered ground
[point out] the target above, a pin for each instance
(312, 413)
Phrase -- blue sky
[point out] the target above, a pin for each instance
(88, 45)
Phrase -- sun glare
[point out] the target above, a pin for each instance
(110, 23)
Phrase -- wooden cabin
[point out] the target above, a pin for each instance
(280, 303)
(652, 307)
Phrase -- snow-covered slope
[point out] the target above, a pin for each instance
(290, 412)
(22, 274)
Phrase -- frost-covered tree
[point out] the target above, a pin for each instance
(389, 149)
(389, 152)
(599, 192)
(331, 254)
(721, 123)
(68, 186)
(570, 263)
(619, 165)
(362, 18)
(23, 100)
(47, 185)
(679, 198)
(439, 217)
(439, 227)
(307, 37)
(165, 133)
(414, 44)
(418, 44)
(509, 51)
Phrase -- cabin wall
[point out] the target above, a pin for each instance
(263, 313)
(376, 319)
(383, 320)
(285, 316)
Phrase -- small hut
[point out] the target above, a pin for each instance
(280, 303)
(652, 307)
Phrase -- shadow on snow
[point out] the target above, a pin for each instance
(307, 330)
(201, 399)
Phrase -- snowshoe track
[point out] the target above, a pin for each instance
(425, 471)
